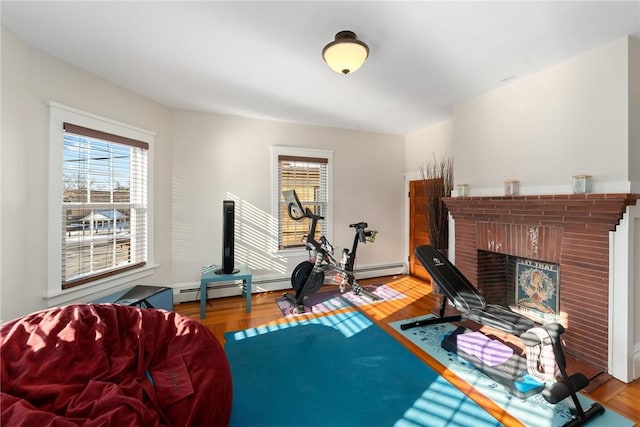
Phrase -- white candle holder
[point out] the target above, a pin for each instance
(581, 184)
(511, 187)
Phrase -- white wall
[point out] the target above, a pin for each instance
(634, 173)
(423, 145)
(634, 114)
(15, 176)
(30, 79)
(569, 119)
(217, 157)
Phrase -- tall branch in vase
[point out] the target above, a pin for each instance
(437, 176)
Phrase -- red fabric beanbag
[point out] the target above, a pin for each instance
(112, 365)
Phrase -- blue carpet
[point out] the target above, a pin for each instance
(533, 411)
(339, 370)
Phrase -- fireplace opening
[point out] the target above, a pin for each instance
(528, 286)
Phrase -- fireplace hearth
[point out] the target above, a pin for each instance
(570, 232)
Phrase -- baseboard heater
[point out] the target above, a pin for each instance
(380, 270)
(186, 292)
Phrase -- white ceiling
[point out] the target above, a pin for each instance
(263, 59)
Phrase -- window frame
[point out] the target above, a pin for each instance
(59, 114)
(280, 150)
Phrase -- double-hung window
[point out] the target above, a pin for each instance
(104, 204)
(308, 172)
(101, 190)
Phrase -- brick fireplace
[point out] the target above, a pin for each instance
(570, 231)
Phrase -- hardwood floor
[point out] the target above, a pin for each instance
(228, 314)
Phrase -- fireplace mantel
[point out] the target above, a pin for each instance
(571, 230)
(600, 212)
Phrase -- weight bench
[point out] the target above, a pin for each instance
(465, 298)
(492, 359)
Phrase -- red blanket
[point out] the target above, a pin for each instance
(112, 365)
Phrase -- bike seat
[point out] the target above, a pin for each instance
(359, 225)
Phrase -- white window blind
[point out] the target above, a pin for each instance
(309, 177)
(104, 205)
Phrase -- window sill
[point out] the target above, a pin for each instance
(99, 286)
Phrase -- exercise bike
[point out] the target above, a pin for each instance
(308, 276)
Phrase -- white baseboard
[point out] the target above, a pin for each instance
(190, 291)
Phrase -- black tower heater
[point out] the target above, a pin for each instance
(228, 242)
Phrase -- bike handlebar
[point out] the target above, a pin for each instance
(360, 224)
(297, 212)
(306, 214)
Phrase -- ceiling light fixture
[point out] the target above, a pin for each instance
(346, 53)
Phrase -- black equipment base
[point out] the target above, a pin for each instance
(512, 373)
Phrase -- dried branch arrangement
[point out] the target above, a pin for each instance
(438, 183)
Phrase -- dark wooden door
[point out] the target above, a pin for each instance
(418, 226)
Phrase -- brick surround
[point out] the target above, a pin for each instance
(569, 230)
